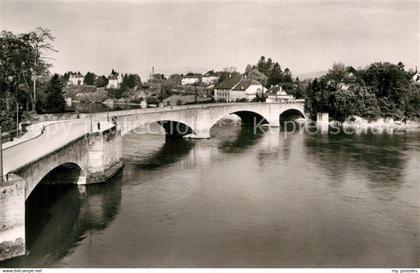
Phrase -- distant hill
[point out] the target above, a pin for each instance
(311, 75)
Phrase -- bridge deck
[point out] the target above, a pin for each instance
(53, 138)
(60, 133)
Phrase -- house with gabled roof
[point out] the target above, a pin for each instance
(276, 94)
(247, 89)
(222, 91)
(75, 79)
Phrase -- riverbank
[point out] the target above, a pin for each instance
(358, 122)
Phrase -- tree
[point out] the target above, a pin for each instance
(261, 64)
(101, 81)
(152, 100)
(337, 73)
(16, 62)
(54, 100)
(94, 97)
(249, 68)
(40, 39)
(176, 78)
(390, 83)
(89, 78)
(130, 81)
(298, 89)
(258, 76)
(275, 75)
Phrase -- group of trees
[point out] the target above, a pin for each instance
(270, 73)
(128, 81)
(24, 74)
(379, 90)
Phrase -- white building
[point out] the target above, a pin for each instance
(277, 94)
(114, 80)
(75, 79)
(209, 80)
(190, 80)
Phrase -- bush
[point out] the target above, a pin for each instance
(152, 100)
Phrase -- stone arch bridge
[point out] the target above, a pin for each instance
(198, 120)
(75, 152)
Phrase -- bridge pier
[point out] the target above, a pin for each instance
(201, 134)
(104, 154)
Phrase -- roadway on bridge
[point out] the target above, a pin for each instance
(55, 136)
(58, 134)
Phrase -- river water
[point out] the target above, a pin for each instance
(271, 199)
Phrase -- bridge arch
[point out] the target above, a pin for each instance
(175, 128)
(248, 117)
(251, 117)
(290, 114)
(62, 173)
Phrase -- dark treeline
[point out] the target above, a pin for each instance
(25, 80)
(379, 90)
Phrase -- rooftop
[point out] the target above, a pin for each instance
(229, 82)
(244, 84)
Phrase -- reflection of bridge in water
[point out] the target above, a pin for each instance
(58, 218)
(70, 152)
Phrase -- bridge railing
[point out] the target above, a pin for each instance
(70, 116)
(178, 107)
(104, 115)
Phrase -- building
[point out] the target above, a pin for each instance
(192, 80)
(247, 89)
(114, 80)
(223, 90)
(209, 80)
(75, 79)
(277, 94)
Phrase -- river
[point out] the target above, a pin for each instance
(271, 199)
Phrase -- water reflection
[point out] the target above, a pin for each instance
(154, 151)
(244, 137)
(58, 217)
(380, 158)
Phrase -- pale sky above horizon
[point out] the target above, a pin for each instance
(306, 36)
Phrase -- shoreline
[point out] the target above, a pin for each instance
(379, 123)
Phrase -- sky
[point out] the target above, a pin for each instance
(184, 35)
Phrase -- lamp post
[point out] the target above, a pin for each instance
(91, 117)
(107, 113)
(1, 157)
(17, 117)
(11, 78)
(195, 93)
